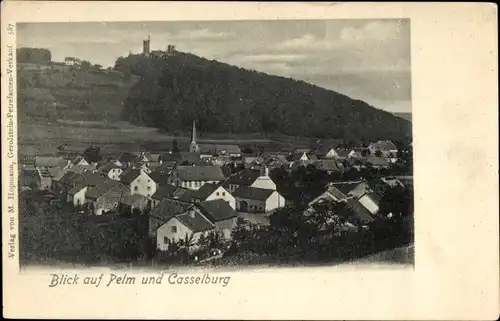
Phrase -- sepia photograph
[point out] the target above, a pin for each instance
(258, 143)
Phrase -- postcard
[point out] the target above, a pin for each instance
(248, 160)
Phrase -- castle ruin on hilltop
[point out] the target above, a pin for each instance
(146, 50)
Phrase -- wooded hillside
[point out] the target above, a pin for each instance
(222, 98)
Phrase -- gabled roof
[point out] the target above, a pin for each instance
(190, 157)
(244, 177)
(376, 161)
(97, 191)
(55, 171)
(79, 169)
(76, 189)
(168, 208)
(134, 199)
(219, 148)
(374, 196)
(337, 193)
(187, 196)
(77, 159)
(199, 173)
(107, 167)
(217, 210)
(88, 178)
(60, 175)
(48, 161)
(196, 223)
(327, 165)
(346, 188)
(253, 193)
(206, 190)
(129, 175)
(165, 191)
(67, 177)
(359, 210)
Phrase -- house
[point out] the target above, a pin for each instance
(189, 226)
(208, 150)
(79, 161)
(131, 203)
(30, 177)
(327, 165)
(138, 182)
(111, 170)
(162, 212)
(298, 157)
(76, 195)
(51, 161)
(377, 162)
(45, 179)
(194, 177)
(331, 194)
(251, 178)
(163, 192)
(219, 213)
(161, 174)
(358, 152)
(72, 61)
(79, 169)
(385, 147)
(80, 184)
(106, 196)
(139, 165)
(257, 200)
(371, 201)
(362, 216)
(209, 192)
(327, 152)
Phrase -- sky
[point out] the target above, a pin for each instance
(364, 59)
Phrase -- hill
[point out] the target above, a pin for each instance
(178, 88)
(48, 92)
(407, 116)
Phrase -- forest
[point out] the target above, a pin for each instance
(174, 90)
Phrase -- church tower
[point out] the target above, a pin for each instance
(193, 147)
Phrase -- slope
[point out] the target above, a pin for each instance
(176, 89)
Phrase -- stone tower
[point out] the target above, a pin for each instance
(193, 147)
(145, 45)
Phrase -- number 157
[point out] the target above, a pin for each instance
(10, 28)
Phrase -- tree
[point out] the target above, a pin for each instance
(85, 65)
(378, 153)
(92, 154)
(175, 147)
(97, 66)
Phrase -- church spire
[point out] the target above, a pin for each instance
(193, 147)
(193, 134)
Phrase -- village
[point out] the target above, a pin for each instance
(210, 190)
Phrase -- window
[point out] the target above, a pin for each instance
(174, 229)
(138, 180)
(217, 193)
(149, 180)
(165, 240)
(136, 188)
(149, 188)
(223, 193)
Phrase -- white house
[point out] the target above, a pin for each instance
(139, 182)
(76, 195)
(251, 178)
(194, 177)
(370, 201)
(189, 225)
(257, 200)
(210, 192)
(112, 171)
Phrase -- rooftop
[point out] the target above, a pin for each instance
(217, 210)
(196, 223)
(253, 193)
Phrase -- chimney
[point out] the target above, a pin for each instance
(192, 214)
